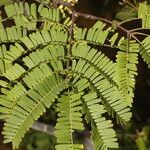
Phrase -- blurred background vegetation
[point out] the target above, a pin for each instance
(136, 136)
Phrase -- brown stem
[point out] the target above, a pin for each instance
(73, 18)
(128, 33)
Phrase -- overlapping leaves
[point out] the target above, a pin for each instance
(39, 66)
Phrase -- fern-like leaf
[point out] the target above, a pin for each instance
(144, 14)
(95, 35)
(145, 50)
(12, 34)
(44, 59)
(5, 2)
(109, 92)
(69, 108)
(30, 107)
(4, 63)
(103, 127)
(102, 63)
(126, 69)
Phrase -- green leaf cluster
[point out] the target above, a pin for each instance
(46, 59)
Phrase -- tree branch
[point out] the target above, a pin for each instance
(49, 129)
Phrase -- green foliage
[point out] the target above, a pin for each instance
(5, 2)
(145, 50)
(127, 59)
(69, 108)
(38, 141)
(134, 139)
(101, 128)
(126, 13)
(142, 141)
(45, 59)
(144, 13)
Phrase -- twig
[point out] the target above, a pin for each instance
(130, 4)
(49, 129)
(73, 18)
(61, 2)
(92, 17)
(128, 32)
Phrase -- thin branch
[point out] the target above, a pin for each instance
(87, 16)
(139, 33)
(138, 29)
(130, 4)
(128, 32)
(129, 20)
(73, 18)
(49, 129)
(56, 3)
